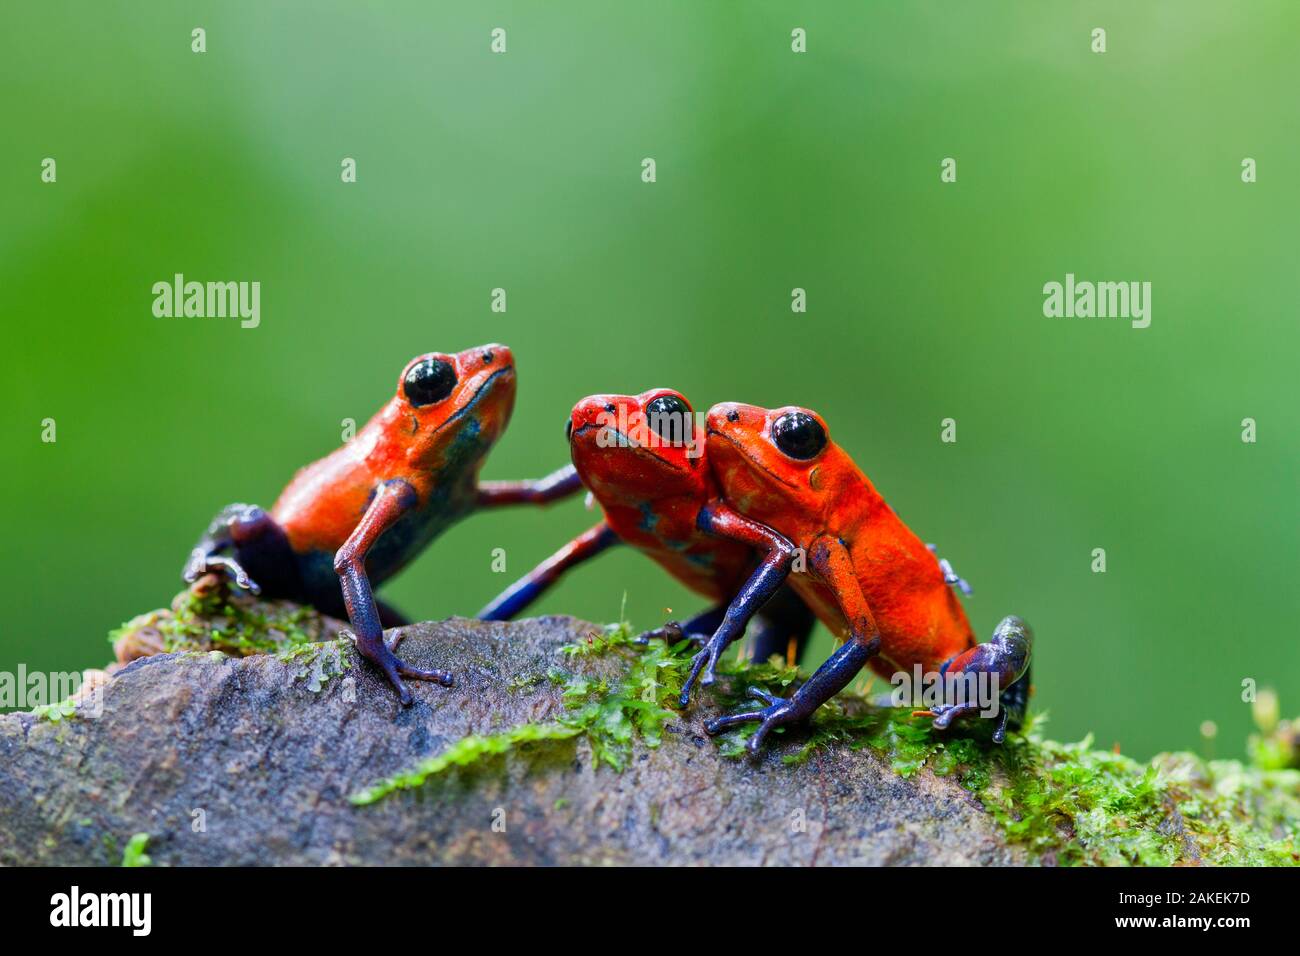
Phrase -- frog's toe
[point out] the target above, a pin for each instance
(403, 692)
(445, 678)
(770, 699)
(704, 663)
(201, 564)
(1000, 731)
(778, 713)
(670, 632)
(945, 714)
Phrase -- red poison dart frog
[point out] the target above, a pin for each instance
(643, 458)
(867, 576)
(358, 515)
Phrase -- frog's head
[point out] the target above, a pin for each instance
(770, 460)
(628, 448)
(451, 408)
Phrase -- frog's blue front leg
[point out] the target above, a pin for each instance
(515, 599)
(538, 491)
(721, 520)
(393, 499)
(830, 558)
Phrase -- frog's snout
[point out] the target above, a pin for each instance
(494, 356)
(724, 417)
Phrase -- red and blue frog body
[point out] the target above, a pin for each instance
(865, 574)
(351, 520)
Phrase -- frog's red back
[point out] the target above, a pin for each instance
(822, 493)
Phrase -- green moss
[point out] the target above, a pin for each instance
(318, 663)
(134, 854)
(55, 713)
(609, 715)
(1069, 804)
(216, 618)
(612, 714)
(462, 753)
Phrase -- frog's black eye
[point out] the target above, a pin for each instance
(798, 435)
(429, 381)
(669, 416)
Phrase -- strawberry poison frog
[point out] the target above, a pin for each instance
(357, 516)
(643, 459)
(867, 576)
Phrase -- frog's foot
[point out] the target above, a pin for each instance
(380, 653)
(201, 563)
(945, 714)
(950, 576)
(778, 713)
(1000, 667)
(696, 630)
(670, 632)
(395, 669)
(706, 660)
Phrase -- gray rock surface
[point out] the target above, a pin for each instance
(266, 763)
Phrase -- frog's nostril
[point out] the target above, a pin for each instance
(610, 408)
(733, 416)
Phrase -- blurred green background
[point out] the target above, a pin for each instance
(775, 170)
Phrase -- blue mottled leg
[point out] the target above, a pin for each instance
(392, 500)
(538, 491)
(515, 599)
(1001, 663)
(233, 523)
(769, 575)
(831, 560)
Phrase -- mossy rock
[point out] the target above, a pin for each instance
(558, 746)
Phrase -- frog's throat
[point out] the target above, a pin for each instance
(473, 402)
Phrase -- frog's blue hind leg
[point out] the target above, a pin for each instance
(1004, 658)
(246, 543)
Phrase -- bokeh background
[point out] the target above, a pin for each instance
(775, 170)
